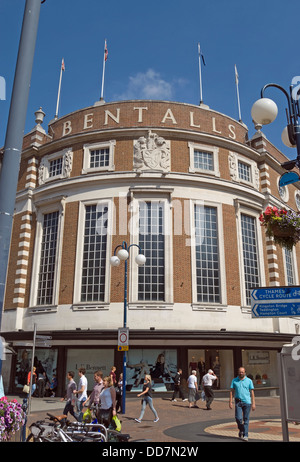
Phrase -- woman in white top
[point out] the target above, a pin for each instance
(193, 387)
(107, 402)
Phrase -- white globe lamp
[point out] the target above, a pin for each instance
(140, 259)
(123, 254)
(285, 138)
(264, 111)
(114, 261)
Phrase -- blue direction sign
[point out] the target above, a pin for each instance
(275, 301)
(288, 178)
(275, 310)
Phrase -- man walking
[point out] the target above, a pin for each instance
(207, 382)
(242, 390)
(71, 387)
(178, 387)
(81, 392)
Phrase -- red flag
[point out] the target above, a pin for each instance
(105, 52)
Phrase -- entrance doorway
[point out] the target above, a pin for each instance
(220, 361)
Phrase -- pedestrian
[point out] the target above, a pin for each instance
(94, 398)
(107, 402)
(177, 386)
(147, 399)
(81, 392)
(53, 385)
(113, 375)
(119, 393)
(33, 388)
(193, 389)
(41, 379)
(69, 396)
(207, 383)
(242, 390)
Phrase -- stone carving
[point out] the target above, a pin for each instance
(151, 153)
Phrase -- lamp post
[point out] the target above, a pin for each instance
(264, 111)
(140, 259)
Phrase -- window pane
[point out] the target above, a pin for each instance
(47, 261)
(55, 167)
(250, 255)
(94, 254)
(244, 171)
(203, 160)
(289, 267)
(151, 279)
(207, 255)
(99, 158)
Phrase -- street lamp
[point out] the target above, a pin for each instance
(264, 111)
(140, 259)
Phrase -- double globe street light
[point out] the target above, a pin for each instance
(264, 111)
(115, 260)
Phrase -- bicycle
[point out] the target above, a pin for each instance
(111, 434)
(59, 429)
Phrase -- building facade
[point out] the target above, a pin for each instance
(187, 186)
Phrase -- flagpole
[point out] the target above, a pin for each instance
(59, 87)
(237, 92)
(103, 71)
(200, 76)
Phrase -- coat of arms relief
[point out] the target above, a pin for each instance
(151, 153)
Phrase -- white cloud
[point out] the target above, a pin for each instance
(147, 85)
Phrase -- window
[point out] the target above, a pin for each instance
(55, 166)
(94, 253)
(207, 254)
(250, 255)
(98, 157)
(151, 276)
(289, 267)
(204, 159)
(244, 171)
(46, 276)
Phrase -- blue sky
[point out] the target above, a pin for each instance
(153, 54)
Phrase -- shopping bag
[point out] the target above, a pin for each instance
(26, 389)
(87, 416)
(116, 423)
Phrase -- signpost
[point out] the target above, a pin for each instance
(275, 301)
(123, 339)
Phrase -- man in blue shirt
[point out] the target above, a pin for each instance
(242, 390)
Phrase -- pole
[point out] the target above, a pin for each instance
(14, 135)
(58, 94)
(103, 72)
(283, 400)
(237, 93)
(200, 75)
(32, 363)
(125, 325)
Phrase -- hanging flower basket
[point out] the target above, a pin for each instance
(12, 417)
(281, 225)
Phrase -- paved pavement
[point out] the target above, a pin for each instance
(178, 423)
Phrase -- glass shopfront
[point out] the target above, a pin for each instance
(160, 364)
(92, 360)
(48, 359)
(261, 367)
(220, 361)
